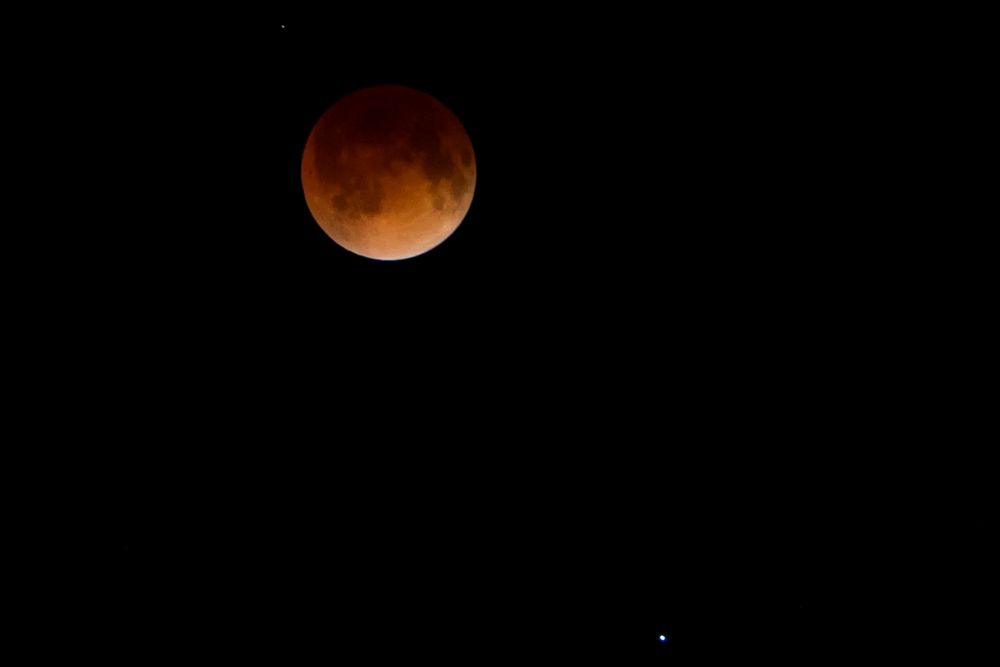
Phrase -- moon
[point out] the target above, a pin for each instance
(388, 172)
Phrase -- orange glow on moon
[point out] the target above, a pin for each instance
(388, 172)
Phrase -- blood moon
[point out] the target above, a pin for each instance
(388, 172)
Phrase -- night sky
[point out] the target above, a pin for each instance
(613, 405)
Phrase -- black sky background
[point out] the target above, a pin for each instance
(623, 399)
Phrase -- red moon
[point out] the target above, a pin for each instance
(388, 172)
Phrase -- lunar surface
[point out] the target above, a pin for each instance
(388, 172)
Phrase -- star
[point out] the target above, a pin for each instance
(663, 639)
